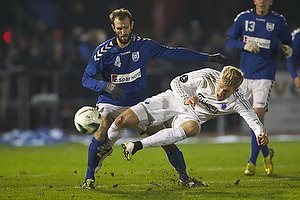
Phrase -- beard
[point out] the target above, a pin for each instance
(124, 41)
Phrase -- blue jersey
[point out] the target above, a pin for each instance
(296, 47)
(127, 67)
(265, 32)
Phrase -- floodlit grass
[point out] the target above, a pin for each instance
(58, 171)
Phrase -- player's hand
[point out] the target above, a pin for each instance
(252, 47)
(287, 50)
(192, 101)
(297, 82)
(114, 90)
(262, 139)
(218, 58)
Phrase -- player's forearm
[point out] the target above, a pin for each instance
(253, 122)
(183, 54)
(290, 62)
(92, 83)
(232, 43)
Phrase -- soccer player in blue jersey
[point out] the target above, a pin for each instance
(121, 61)
(256, 32)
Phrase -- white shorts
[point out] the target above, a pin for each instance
(160, 108)
(258, 91)
(179, 119)
(110, 111)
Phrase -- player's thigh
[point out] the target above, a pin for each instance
(127, 119)
(190, 124)
(262, 90)
(108, 113)
(246, 88)
(162, 107)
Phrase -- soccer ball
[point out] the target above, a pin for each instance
(87, 120)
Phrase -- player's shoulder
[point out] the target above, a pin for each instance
(103, 48)
(136, 38)
(296, 34)
(108, 43)
(245, 13)
(278, 16)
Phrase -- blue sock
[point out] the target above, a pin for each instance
(265, 150)
(254, 149)
(177, 161)
(93, 159)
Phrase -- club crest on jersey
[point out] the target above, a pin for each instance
(135, 56)
(184, 78)
(118, 62)
(270, 26)
(223, 106)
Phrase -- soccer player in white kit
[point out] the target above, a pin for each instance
(194, 98)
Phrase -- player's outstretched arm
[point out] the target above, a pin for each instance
(218, 58)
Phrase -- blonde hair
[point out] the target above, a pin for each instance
(232, 76)
(121, 13)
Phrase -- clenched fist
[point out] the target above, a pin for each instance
(262, 139)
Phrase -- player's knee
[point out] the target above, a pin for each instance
(101, 133)
(120, 121)
(191, 128)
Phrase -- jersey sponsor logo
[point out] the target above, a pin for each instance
(270, 26)
(208, 106)
(262, 43)
(135, 56)
(126, 78)
(184, 78)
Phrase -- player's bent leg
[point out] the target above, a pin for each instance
(95, 147)
(176, 159)
(93, 159)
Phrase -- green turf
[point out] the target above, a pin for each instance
(57, 172)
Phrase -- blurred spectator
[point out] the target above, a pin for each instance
(89, 41)
(43, 11)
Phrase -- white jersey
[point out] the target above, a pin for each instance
(203, 84)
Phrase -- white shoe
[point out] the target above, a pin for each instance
(102, 154)
(127, 150)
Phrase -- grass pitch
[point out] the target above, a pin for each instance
(58, 171)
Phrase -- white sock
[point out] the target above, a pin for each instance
(113, 134)
(164, 137)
